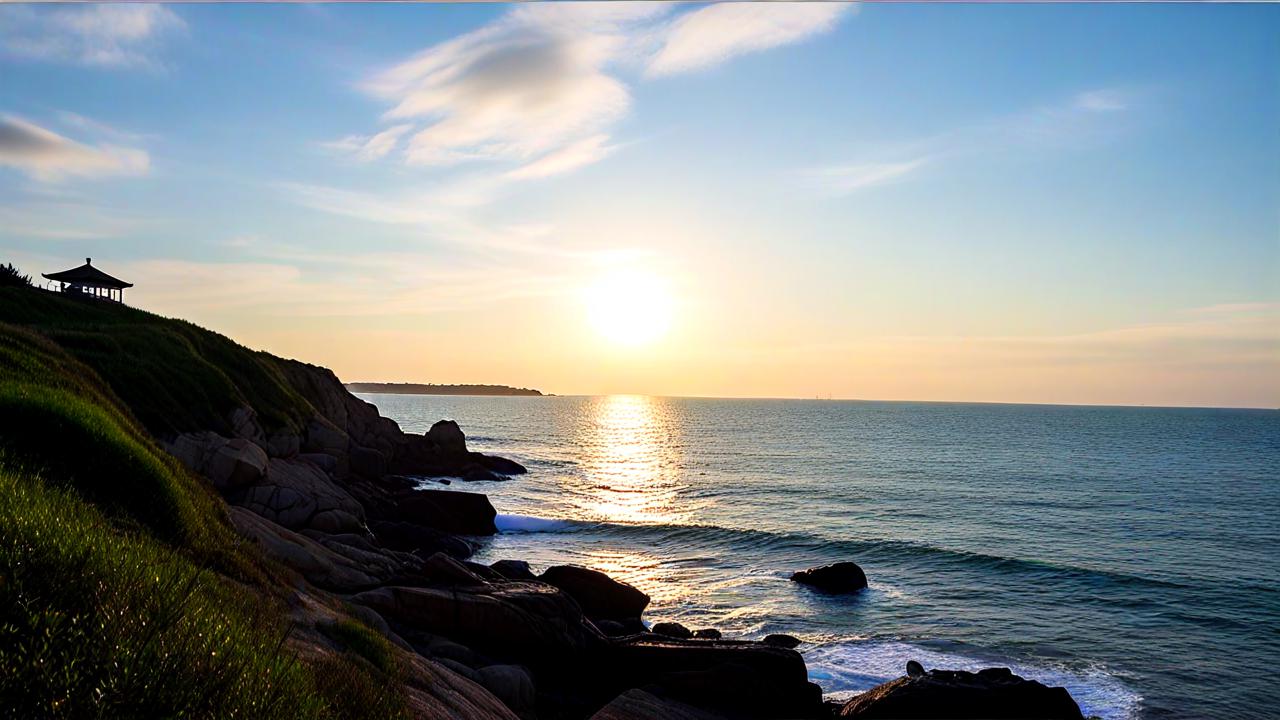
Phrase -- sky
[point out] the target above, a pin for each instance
(1007, 203)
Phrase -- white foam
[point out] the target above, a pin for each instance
(529, 524)
(849, 667)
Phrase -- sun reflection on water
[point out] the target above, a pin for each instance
(632, 467)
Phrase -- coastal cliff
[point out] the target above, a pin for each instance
(191, 527)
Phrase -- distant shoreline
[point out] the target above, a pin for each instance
(432, 389)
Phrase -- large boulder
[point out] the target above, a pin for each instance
(415, 538)
(600, 596)
(228, 463)
(842, 577)
(529, 623)
(512, 684)
(739, 679)
(448, 438)
(515, 570)
(637, 704)
(369, 463)
(673, 629)
(451, 511)
(992, 693)
(297, 495)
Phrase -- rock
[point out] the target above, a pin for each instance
(707, 634)
(322, 436)
(369, 463)
(599, 595)
(465, 671)
(842, 577)
(283, 443)
(611, 628)
(530, 623)
(443, 569)
(227, 463)
(452, 511)
(448, 438)
(914, 669)
(297, 495)
(511, 684)
(499, 464)
(327, 463)
(672, 629)
(318, 564)
(991, 693)
(734, 678)
(514, 570)
(244, 424)
(436, 693)
(781, 640)
(636, 704)
(411, 537)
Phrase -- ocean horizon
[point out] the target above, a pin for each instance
(1125, 553)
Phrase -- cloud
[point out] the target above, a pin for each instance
(713, 34)
(1102, 101)
(371, 147)
(845, 179)
(541, 86)
(571, 157)
(99, 35)
(49, 157)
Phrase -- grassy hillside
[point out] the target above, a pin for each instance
(123, 589)
(173, 375)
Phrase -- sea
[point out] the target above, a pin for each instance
(1131, 555)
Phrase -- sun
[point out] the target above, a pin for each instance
(629, 307)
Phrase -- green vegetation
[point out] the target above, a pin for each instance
(173, 375)
(11, 276)
(124, 592)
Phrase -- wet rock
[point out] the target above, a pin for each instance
(707, 634)
(992, 693)
(514, 570)
(781, 640)
(914, 669)
(842, 577)
(451, 511)
(672, 629)
(599, 595)
(500, 464)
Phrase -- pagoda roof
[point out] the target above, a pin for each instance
(89, 275)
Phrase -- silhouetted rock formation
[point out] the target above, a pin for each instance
(843, 577)
(992, 693)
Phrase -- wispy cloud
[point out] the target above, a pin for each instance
(48, 156)
(713, 34)
(122, 35)
(845, 179)
(542, 86)
(1074, 121)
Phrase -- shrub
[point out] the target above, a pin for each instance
(10, 276)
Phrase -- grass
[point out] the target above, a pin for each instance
(174, 376)
(124, 593)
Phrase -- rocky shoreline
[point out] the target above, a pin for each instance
(338, 503)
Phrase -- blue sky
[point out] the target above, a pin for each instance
(1060, 203)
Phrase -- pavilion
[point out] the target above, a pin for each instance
(91, 281)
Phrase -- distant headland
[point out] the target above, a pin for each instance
(432, 389)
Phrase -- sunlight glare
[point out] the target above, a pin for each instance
(629, 307)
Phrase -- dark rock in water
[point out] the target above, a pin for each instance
(514, 570)
(914, 669)
(463, 513)
(599, 595)
(842, 577)
(611, 628)
(411, 537)
(448, 438)
(636, 704)
(992, 693)
(672, 629)
(499, 464)
(707, 634)
(781, 640)
(738, 679)
(483, 571)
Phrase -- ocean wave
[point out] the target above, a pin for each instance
(846, 668)
(529, 524)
